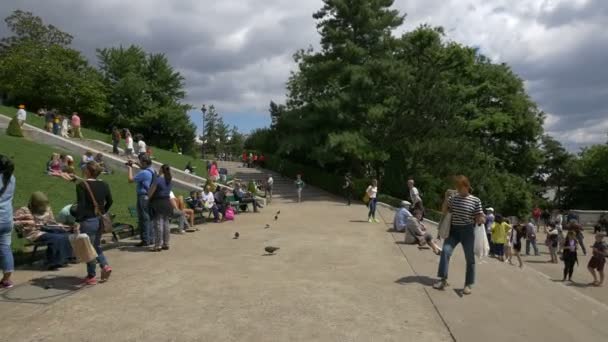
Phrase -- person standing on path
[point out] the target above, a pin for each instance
(268, 188)
(143, 180)
(7, 192)
(76, 133)
(162, 208)
(348, 188)
(65, 127)
(536, 214)
(21, 115)
(598, 260)
(372, 193)
(569, 254)
(500, 229)
(115, 139)
(489, 222)
(466, 211)
(531, 238)
(578, 233)
(515, 236)
(414, 194)
(299, 186)
(91, 193)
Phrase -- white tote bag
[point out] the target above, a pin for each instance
(482, 247)
(444, 226)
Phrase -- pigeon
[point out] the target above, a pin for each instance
(236, 235)
(271, 250)
(278, 212)
(267, 226)
(276, 217)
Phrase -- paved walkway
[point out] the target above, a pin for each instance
(335, 278)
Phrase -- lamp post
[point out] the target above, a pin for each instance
(204, 110)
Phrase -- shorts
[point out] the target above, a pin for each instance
(597, 263)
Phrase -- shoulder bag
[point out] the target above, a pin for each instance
(105, 220)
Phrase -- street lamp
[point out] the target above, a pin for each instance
(204, 110)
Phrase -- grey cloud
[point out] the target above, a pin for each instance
(199, 38)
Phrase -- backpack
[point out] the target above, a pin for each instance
(229, 214)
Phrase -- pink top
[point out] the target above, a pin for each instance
(213, 171)
(75, 121)
(55, 165)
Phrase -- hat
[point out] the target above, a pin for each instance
(21, 106)
(490, 209)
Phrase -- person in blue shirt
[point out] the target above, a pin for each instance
(401, 217)
(7, 191)
(143, 181)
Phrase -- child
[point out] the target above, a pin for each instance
(54, 165)
(552, 242)
(569, 255)
(499, 236)
(299, 186)
(64, 127)
(517, 233)
(598, 259)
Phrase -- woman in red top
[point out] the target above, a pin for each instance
(255, 159)
(244, 158)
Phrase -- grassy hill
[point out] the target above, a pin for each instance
(174, 159)
(30, 162)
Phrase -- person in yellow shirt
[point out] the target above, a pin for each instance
(499, 236)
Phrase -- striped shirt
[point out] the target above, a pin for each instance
(464, 209)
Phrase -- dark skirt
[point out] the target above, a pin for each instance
(517, 246)
(161, 207)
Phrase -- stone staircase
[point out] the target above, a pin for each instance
(284, 188)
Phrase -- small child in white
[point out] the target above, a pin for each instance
(299, 186)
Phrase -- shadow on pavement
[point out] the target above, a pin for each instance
(420, 279)
(67, 283)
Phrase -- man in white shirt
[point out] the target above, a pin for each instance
(141, 145)
(414, 194)
(268, 189)
(21, 115)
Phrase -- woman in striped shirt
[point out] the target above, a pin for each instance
(466, 210)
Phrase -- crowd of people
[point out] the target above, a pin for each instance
(253, 159)
(564, 234)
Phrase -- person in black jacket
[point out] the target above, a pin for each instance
(89, 218)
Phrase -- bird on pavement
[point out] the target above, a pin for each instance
(236, 235)
(267, 226)
(271, 250)
(276, 217)
(278, 212)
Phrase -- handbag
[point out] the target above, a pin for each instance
(366, 198)
(481, 246)
(105, 220)
(445, 225)
(82, 247)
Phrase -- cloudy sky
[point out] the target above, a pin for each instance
(237, 53)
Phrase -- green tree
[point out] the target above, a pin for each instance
(237, 142)
(27, 27)
(145, 94)
(587, 183)
(557, 167)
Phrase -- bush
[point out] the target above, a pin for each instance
(14, 129)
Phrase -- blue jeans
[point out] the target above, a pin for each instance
(7, 263)
(58, 247)
(91, 228)
(459, 234)
(531, 241)
(144, 222)
(372, 208)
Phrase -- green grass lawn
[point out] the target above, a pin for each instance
(163, 156)
(30, 162)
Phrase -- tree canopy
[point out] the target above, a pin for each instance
(415, 105)
(131, 88)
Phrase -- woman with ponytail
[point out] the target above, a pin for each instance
(162, 208)
(7, 191)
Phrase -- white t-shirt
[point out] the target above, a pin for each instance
(270, 181)
(372, 191)
(141, 146)
(129, 143)
(21, 114)
(415, 195)
(208, 199)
